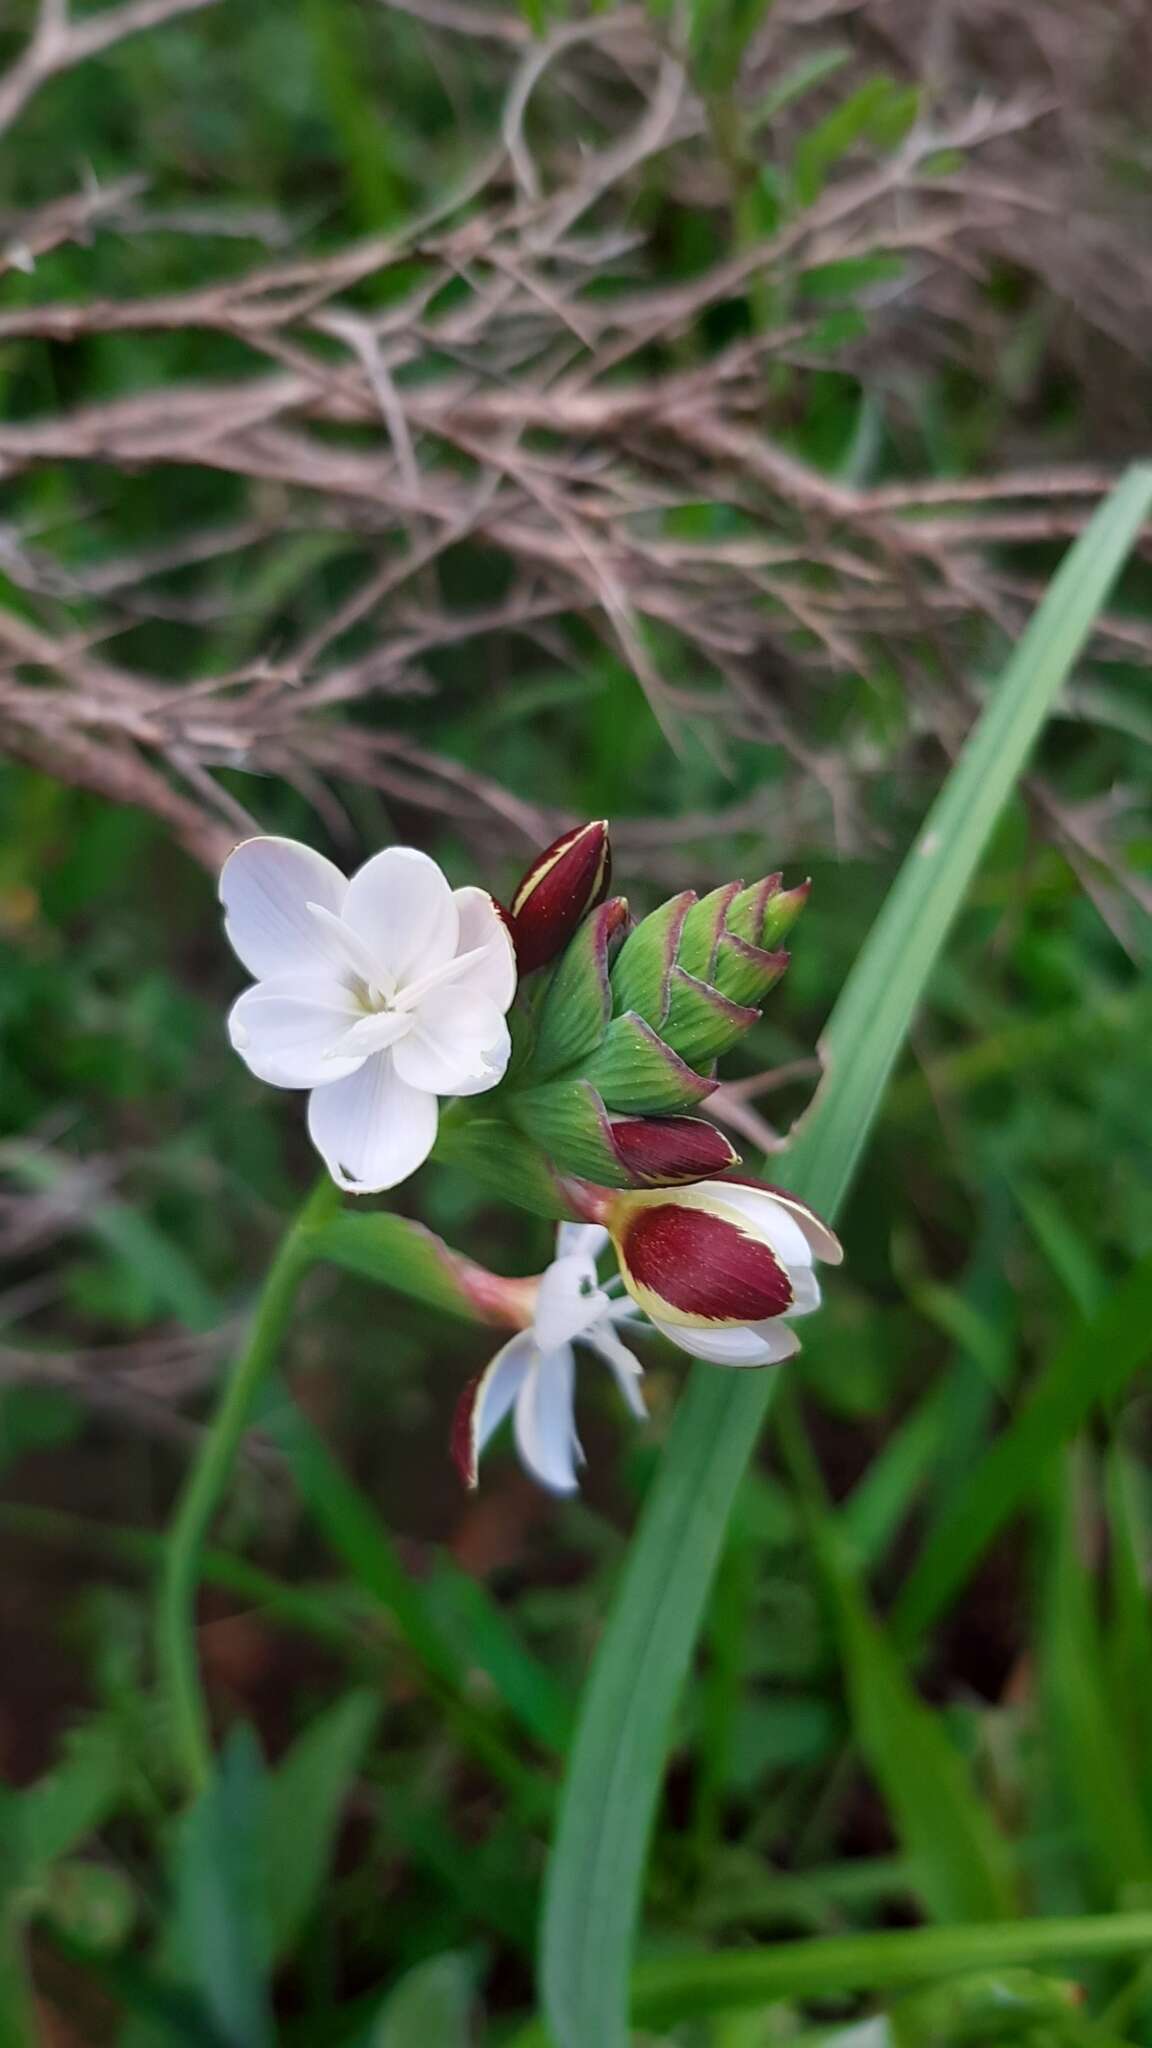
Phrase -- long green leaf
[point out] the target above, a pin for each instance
(358, 1535)
(399, 1254)
(219, 1928)
(613, 1782)
(672, 1989)
(53, 1816)
(961, 1860)
(432, 2004)
(1128, 1636)
(1097, 1786)
(303, 1802)
(1091, 1369)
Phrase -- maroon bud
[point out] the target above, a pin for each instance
(687, 1261)
(663, 1151)
(562, 885)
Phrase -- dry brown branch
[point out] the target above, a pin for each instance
(58, 44)
(462, 18)
(540, 393)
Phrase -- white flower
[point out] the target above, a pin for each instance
(534, 1373)
(379, 994)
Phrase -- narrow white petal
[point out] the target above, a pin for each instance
(287, 1030)
(412, 995)
(766, 1344)
(768, 1218)
(500, 1383)
(401, 905)
(374, 1033)
(482, 925)
(458, 1044)
(568, 1301)
(588, 1239)
(626, 1370)
(372, 1130)
(486, 1401)
(350, 955)
(266, 886)
(545, 1427)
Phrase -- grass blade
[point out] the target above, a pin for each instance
(357, 1535)
(613, 1781)
(1094, 1770)
(220, 1923)
(304, 1799)
(960, 1857)
(672, 1989)
(1091, 1369)
(434, 2002)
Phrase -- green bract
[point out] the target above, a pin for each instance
(632, 1021)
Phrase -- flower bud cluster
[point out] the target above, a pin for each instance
(628, 1029)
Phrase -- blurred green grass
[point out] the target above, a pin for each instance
(397, 1668)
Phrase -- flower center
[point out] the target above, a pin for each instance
(369, 997)
(569, 1301)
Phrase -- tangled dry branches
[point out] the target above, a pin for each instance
(537, 390)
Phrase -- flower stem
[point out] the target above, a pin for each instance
(176, 1657)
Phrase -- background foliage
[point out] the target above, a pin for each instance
(694, 464)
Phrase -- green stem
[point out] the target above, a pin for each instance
(176, 1614)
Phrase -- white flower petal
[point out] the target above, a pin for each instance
(286, 1030)
(499, 1384)
(412, 995)
(490, 1069)
(824, 1242)
(482, 925)
(766, 1344)
(805, 1291)
(401, 905)
(374, 1033)
(568, 1301)
(351, 957)
(626, 1370)
(588, 1239)
(458, 1044)
(769, 1219)
(266, 886)
(545, 1428)
(372, 1130)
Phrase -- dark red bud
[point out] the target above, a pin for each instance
(665, 1151)
(562, 885)
(697, 1266)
